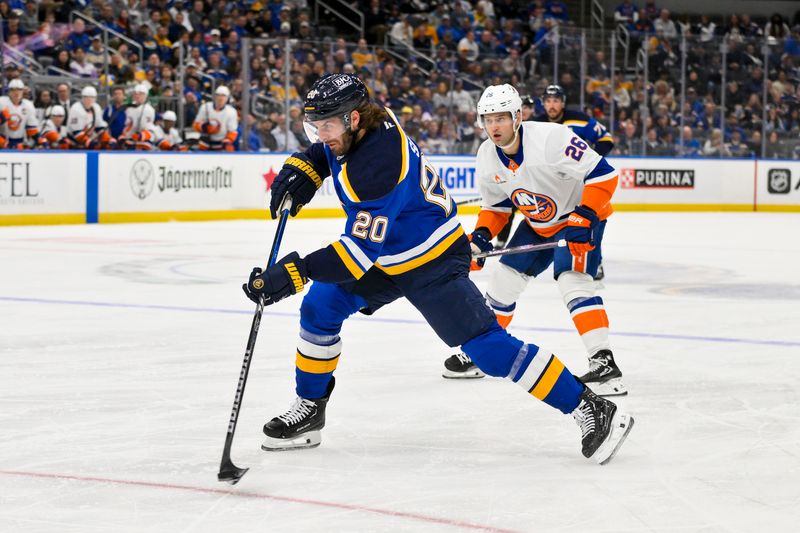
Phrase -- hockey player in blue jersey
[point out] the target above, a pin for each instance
(584, 126)
(401, 239)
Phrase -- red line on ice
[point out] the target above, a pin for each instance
(256, 495)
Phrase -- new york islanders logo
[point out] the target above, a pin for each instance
(535, 206)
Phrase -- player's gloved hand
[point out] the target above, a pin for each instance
(480, 241)
(283, 279)
(227, 146)
(205, 128)
(580, 230)
(299, 179)
(136, 136)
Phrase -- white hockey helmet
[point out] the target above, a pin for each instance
(170, 115)
(16, 84)
(141, 88)
(499, 99)
(89, 91)
(223, 91)
(58, 111)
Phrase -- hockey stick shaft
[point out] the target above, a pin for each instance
(227, 470)
(525, 248)
(469, 201)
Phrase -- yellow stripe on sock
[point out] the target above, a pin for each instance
(316, 366)
(549, 378)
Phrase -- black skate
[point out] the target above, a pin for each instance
(604, 376)
(601, 273)
(460, 366)
(604, 426)
(300, 426)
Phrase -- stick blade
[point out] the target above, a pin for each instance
(231, 474)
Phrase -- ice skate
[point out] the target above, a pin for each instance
(604, 376)
(601, 273)
(299, 427)
(604, 426)
(460, 366)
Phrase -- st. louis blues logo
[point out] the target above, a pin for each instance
(535, 206)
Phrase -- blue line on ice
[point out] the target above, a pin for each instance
(695, 338)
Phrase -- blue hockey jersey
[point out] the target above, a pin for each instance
(587, 128)
(399, 214)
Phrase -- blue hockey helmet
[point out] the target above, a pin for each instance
(555, 91)
(335, 95)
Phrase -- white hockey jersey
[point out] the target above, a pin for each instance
(51, 135)
(223, 123)
(547, 177)
(85, 121)
(140, 119)
(173, 136)
(21, 122)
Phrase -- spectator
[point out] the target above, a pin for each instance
(626, 14)
(714, 145)
(776, 27)
(79, 66)
(460, 98)
(691, 146)
(736, 147)
(96, 54)
(43, 105)
(664, 26)
(286, 139)
(469, 45)
(29, 21)
(77, 38)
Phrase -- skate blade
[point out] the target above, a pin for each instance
(612, 387)
(311, 439)
(621, 425)
(472, 373)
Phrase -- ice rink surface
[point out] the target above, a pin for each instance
(120, 348)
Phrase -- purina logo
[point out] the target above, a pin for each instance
(142, 179)
(779, 181)
(633, 178)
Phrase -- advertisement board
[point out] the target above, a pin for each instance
(778, 185)
(684, 184)
(42, 188)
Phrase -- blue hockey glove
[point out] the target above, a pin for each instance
(480, 242)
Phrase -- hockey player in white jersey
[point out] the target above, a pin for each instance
(563, 188)
(54, 131)
(168, 137)
(140, 121)
(86, 128)
(217, 122)
(21, 129)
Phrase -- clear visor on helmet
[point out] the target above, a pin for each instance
(324, 130)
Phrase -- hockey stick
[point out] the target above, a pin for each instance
(469, 201)
(228, 472)
(521, 249)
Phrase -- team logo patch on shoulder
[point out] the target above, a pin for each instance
(535, 206)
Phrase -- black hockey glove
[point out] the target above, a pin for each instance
(480, 241)
(283, 279)
(299, 179)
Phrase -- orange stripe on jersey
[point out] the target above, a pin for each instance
(494, 221)
(597, 196)
(549, 231)
(579, 263)
(590, 320)
(504, 320)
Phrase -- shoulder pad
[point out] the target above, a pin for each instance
(378, 164)
(570, 114)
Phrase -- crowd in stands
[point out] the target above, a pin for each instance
(428, 62)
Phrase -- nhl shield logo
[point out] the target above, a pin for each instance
(779, 180)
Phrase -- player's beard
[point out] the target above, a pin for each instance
(343, 143)
(554, 115)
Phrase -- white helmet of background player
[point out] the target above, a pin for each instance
(169, 116)
(88, 95)
(16, 84)
(221, 95)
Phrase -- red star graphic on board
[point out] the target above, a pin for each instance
(269, 177)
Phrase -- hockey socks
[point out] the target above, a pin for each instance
(317, 357)
(591, 321)
(539, 372)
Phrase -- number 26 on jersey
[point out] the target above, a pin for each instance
(576, 148)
